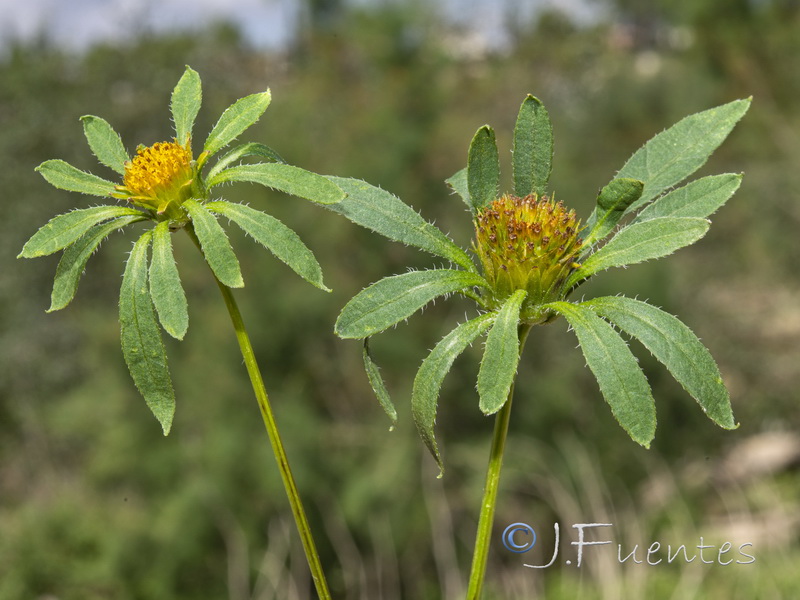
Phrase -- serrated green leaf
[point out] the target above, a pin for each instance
(64, 176)
(165, 285)
(73, 261)
(105, 143)
(458, 183)
(676, 347)
(501, 356)
(185, 104)
(216, 247)
(395, 298)
(701, 198)
(483, 168)
(674, 154)
(377, 384)
(612, 202)
(386, 214)
(431, 374)
(63, 230)
(533, 148)
(276, 237)
(621, 381)
(285, 178)
(243, 151)
(142, 346)
(640, 242)
(239, 116)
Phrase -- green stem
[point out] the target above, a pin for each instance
(486, 520)
(274, 437)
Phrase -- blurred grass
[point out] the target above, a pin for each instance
(96, 504)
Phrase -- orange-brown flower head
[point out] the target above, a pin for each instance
(527, 243)
(159, 175)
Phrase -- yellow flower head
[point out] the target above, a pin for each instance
(159, 175)
(528, 243)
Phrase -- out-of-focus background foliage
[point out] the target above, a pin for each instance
(96, 504)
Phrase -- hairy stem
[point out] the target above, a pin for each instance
(486, 520)
(274, 437)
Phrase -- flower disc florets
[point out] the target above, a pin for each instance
(159, 177)
(528, 243)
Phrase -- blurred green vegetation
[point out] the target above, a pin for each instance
(96, 504)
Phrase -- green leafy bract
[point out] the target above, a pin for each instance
(612, 202)
(142, 346)
(676, 347)
(377, 384)
(458, 183)
(431, 374)
(285, 178)
(243, 151)
(395, 298)
(216, 247)
(701, 198)
(500, 359)
(166, 290)
(185, 104)
(105, 143)
(533, 148)
(621, 381)
(483, 168)
(386, 214)
(64, 176)
(239, 116)
(276, 237)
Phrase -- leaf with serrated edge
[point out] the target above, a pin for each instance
(276, 237)
(243, 151)
(674, 154)
(701, 198)
(501, 356)
(73, 261)
(676, 347)
(64, 176)
(216, 247)
(458, 183)
(166, 290)
(533, 148)
(640, 242)
(142, 346)
(61, 231)
(386, 214)
(285, 178)
(483, 168)
(239, 116)
(612, 201)
(395, 298)
(621, 380)
(431, 374)
(105, 143)
(377, 384)
(185, 104)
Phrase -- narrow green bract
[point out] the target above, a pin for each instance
(63, 230)
(621, 381)
(431, 374)
(166, 290)
(612, 202)
(701, 198)
(216, 247)
(676, 347)
(377, 384)
(185, 104)
(499, 365)
(393, 299)
(640, 242)
(285, 178)
(141, 342)
(73, 261)
(64, 176)
(236, 118)
(386, 214)
(533, 148)
(458, 183)
(243, 151)
(483, 168)
(276, 237)
(105, 143)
